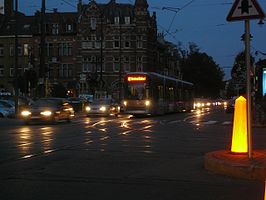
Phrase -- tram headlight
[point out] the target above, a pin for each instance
(125, 103)
(88, 108)
(103, 108)
(147, 103)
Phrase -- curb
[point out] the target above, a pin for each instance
(237, 165)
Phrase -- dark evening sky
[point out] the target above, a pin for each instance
(200, 21)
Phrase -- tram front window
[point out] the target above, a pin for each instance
(137, 91)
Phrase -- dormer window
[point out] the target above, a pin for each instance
(127, 20)
(55, 29)
(116, 20)
(69, 28)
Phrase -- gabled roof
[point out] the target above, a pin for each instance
(24, 27)
(141, 3)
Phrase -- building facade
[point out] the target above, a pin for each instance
(87, 50)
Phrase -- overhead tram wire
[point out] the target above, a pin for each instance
(68, 3)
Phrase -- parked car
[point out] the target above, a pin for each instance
(48, 110)
(9, 107)
(103, 107)
(5, 111)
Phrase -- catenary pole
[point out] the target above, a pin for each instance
(248, 90)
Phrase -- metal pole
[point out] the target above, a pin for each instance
(16, 58)
(42, 47)
(248, 90)
(120, 60)
(101, 73)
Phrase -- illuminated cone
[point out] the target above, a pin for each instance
(239, 139)
(264, 190)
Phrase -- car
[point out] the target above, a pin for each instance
(230, 107)
(48, 110)
(104, 107)
(5, 111)
(9, 107)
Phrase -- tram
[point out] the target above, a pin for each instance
(150, 93)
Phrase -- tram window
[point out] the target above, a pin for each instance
(137, 91)
(171, 93)
(160, 91)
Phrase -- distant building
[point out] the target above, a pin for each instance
(114, 39)
(7, 45)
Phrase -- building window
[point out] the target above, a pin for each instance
(19, 72)
(127, 20)
(139, 67)
(127, 44)
(55, 29)
(11, 50)
(20, 50)
(98, 44)
(65, 49)
(26, 49)
(116, 20)
(69, 28)
(93, 23)
(50, 47)
(11, 72)
(1, 70)
(139, 41)
(116, 44)
(86, 45)
(116, 65)
(87, 67)
(139, 44)
(1, 50)
(65, 71)
(127, 67)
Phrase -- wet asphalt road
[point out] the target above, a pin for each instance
(120, 158)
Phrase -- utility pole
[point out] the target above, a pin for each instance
(42, 48)
(16, 58)
(101, 63)
(120, 60)
(247, 59)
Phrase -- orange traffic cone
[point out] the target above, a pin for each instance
(239, 139)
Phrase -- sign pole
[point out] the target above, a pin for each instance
(248, 90)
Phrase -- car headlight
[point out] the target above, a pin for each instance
(88, 108)
(25, 113)
(103, 108)
(46, 113)
(147, 103)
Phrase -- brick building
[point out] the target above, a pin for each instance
(87, 50)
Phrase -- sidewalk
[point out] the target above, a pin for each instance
(237, 165)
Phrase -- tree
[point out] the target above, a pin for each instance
(200, 69)
(238, 73)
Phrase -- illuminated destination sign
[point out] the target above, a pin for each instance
(136, 78)
(264, 82)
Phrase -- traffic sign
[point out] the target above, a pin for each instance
(245, 9)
